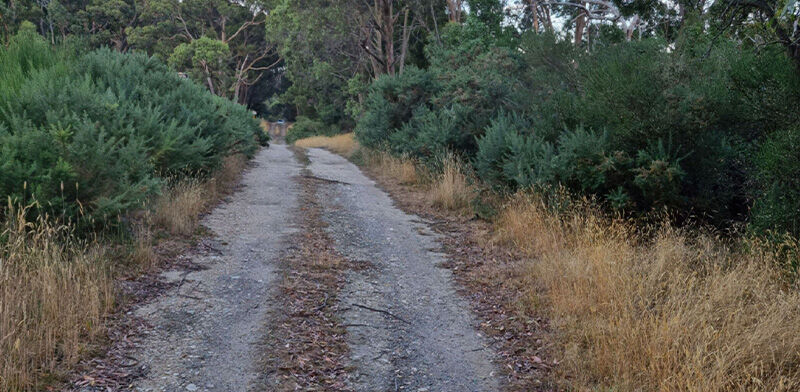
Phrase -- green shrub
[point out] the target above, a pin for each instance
(582, 161)
(585, 163)
(391, 102)
(472, 77)
(511, 156)
(639, 124)
(91, 137)
(778, 207)
(305, 127)
(429, 134)
(26, 52)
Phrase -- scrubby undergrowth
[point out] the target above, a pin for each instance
(93, 136)
(631, 307)
(700, 127)
(102, 156)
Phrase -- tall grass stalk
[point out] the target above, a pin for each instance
(677, 311)
(54, 293)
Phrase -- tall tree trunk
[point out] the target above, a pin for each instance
(208, 78)
(210, 85)
(435, 25)
(580, 23)
(455, 10)
(387, 16)
(404, 45)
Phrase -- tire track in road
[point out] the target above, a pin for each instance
(407, 327)
(205, 332)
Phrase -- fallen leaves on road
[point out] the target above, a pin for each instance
(306, 348)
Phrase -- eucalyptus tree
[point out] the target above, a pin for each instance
(218, 42)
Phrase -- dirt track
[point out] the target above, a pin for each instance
(206, 331)
(407, 328)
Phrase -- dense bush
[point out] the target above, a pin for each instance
(700, 126)
(779, 173)
(305, 127)
(391, 103)
(93, 135)
(422, 113)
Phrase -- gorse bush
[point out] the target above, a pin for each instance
(701, 127)
(93, 135)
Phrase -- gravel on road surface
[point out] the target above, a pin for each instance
(205, 332)
(407, 327)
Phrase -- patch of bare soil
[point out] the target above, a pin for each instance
(486, 275)
(114, 369)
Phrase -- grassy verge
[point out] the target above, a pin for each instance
(54, 293)
(450, 190)
(626, 307)
(345, 144)
(57, 291)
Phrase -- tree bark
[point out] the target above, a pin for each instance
(455, 10)
(404, 45)
(387, 16)
(535, 13)
(580, 24)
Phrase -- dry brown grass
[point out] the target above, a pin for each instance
(451, 190)
(344, 144)
(55, 290)
(672, 312)
(177, 210)
(142, 253)
(54, 293)
(402, 170)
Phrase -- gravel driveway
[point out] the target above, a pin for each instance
(206, 331)
(407, 328)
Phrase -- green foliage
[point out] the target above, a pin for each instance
(391, 103)
(305, 127)
(639, 125)
(778, 163)
(201, 57)
(510, 156)
(582, 161)
(26, 52)
(315, 40)
(26, 28)
(91, 136)
(714, 102)
(422, 113)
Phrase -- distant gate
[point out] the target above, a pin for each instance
(276, 129)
